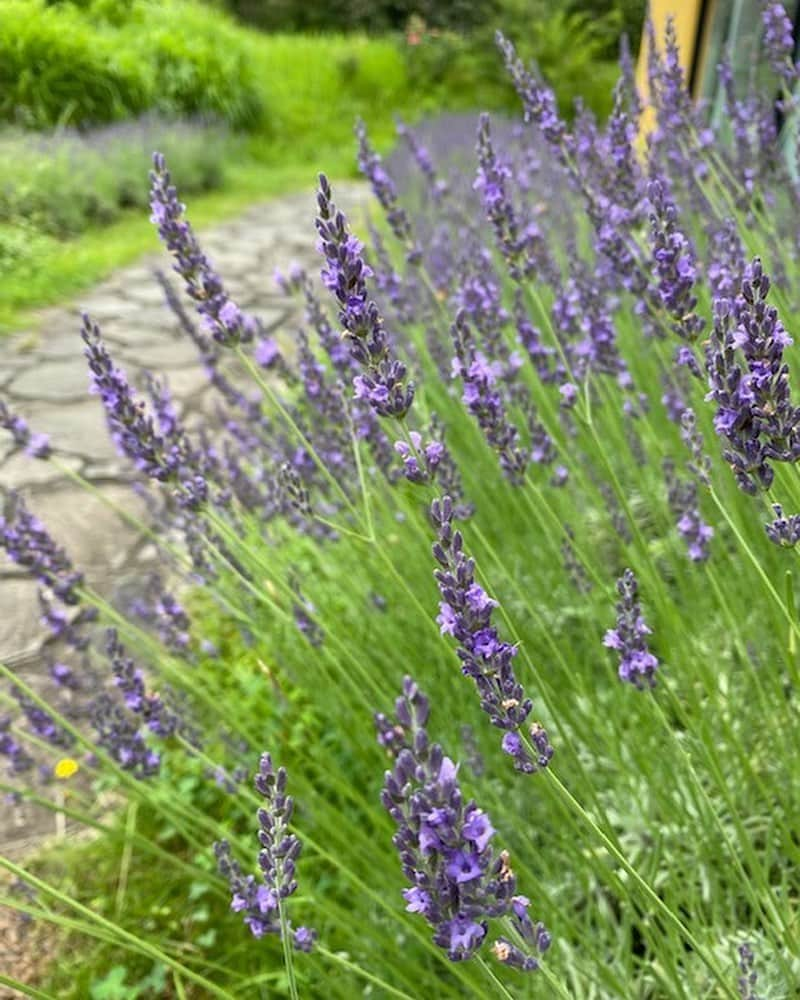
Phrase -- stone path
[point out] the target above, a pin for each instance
(43, 378)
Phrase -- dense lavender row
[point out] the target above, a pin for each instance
(572, 331)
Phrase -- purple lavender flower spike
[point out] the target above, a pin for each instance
(130, 681)
(458, 881)
(682, 498)
(226, 323)
(132, 429)
(748, 977)
(783, 530)
(382, 382)
(522, 248)
(437, 186)
(778, 41)
(755, 413)
(383, 187)
(637, 665)
(675, 263)
(18, 758)
(162, 452)
(538, 100)
(41, 723)
(260, 900)
(118, 734)
(465, 612)
(28, 544)
(35, 445)
(483, 399)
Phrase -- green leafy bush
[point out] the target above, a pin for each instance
(463, 70)
(62, 183)
(55, 68)
(361, 15)
(109, 60)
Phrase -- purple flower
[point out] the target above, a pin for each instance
(748, 977)
(779, 41)
(382, 380)
(637, 665)
(458, 882)
(783, 530)
(465, 612)
(538, 100)
(483, 398)
(383, 187)
(267, 352)
(35, 445)
(261, 902)
(27, 543)
(523, 247)
(682, 498)
(119, 735)
(159, 719)
(674, 263)
(19, 760)
(749, 382)
(226, 323)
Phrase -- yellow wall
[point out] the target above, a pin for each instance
(686, 17)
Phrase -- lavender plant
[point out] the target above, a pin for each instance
(512, 377)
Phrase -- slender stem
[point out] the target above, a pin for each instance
(708, 960)
(288, 958)
(125, 937)
(490, 974)
(29, 991)
(362, 973)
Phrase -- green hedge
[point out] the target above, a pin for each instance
(61, 184)
(97, 62)
(54, 68)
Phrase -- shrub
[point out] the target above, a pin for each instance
(65, 65)
(536, 446)
(361, 15)
(458, 70)
(54, 69)
(64, 182)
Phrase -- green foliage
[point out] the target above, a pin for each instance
(67, 64)
(361, 15)
(55, 69)
(568, 49)
(63, 183)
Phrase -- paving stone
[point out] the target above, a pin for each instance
(164, 355)
(19, 617)
(52, 381)
(88, 528)
(106, 308)
(187, 383)
(78, 428)
(21, 470)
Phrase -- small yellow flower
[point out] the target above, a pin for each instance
(66, 767)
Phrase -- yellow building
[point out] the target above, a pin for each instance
(706, 29)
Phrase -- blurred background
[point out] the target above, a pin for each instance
(247, 98)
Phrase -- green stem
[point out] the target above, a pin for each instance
(123, 936)
(708, 960)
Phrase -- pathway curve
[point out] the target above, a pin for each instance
(43, 378)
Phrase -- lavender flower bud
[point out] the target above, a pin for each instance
(637, 665)
(227, 324)
(458, 882)
(465, 612)
(261, 901)
(382, 381)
